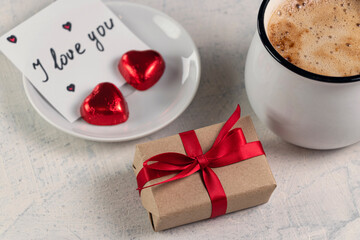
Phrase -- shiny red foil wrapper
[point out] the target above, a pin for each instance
(105, 106)
(142, 69)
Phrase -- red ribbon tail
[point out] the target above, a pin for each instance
(191, 169)
(228, 125)
(145, 175)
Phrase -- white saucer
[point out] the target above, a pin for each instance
(155, 108)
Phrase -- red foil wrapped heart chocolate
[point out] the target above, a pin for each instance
(142, 69)
(105, 106)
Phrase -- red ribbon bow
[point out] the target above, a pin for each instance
(229, 147)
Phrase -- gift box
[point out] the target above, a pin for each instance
(203, 173)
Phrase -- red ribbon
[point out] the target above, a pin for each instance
(229, 147)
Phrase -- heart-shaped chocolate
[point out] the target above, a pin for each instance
(105, 106)
(142, 69)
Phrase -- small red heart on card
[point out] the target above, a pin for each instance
(67, 26)
(12, 39)
(142, 69)
(105, 106)
(71, 87)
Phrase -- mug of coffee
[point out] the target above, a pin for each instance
(302, 73)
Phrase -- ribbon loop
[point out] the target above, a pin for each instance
(229, 147)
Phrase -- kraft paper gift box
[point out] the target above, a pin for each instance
(246, 183)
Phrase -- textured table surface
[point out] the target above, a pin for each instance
(55, 186)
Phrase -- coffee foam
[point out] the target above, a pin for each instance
(320, 36)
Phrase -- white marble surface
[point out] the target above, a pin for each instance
(55, 186)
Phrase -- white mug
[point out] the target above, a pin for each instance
(303, 108)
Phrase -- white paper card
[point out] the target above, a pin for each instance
(69, 47)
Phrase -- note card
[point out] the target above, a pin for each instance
(66, 49)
